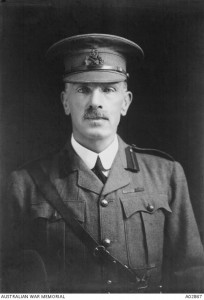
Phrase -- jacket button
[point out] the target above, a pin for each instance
(150, 208)
(104, 203)
(106, 242)
(109, 281)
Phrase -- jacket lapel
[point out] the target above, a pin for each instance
(120, 176)
(70, 162)
(89, 181)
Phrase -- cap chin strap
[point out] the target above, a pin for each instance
(99, 68)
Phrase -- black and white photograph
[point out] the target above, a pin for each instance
(102, 147)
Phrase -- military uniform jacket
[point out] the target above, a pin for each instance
(146, 216)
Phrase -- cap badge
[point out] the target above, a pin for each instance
(93, 59)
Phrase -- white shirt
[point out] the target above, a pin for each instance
(89, 157)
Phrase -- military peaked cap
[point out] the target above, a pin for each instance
(95, 57)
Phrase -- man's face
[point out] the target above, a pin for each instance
(95, 109)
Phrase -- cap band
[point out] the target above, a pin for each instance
(94, 68)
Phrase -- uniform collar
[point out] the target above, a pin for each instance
(107, 156)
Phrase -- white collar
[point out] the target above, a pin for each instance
(89, 157)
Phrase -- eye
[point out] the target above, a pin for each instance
(83, 89)
(109, 89)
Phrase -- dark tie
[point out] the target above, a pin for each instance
(98, 168)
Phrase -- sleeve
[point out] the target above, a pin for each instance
(183, 255)
(23, 270)
(17, 220)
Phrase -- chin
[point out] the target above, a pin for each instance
(97, 134)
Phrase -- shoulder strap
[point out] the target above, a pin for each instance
(48, 190)
(155, 152)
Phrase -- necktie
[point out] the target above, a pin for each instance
(98, 168)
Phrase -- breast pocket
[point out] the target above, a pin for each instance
(50, 234)
(144, 218)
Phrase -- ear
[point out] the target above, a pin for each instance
(126, 103)
(65, 102)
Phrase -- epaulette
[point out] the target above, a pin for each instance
(153, 152)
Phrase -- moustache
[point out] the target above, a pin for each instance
(92, 113)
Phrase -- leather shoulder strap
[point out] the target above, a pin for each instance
(50, 193)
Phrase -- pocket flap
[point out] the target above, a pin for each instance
(45, 210)
(41, 210)
(145, 203)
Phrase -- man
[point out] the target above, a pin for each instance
(127, 224)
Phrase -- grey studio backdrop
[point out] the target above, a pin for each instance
(168, 108)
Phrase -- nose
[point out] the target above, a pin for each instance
(96, 99)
